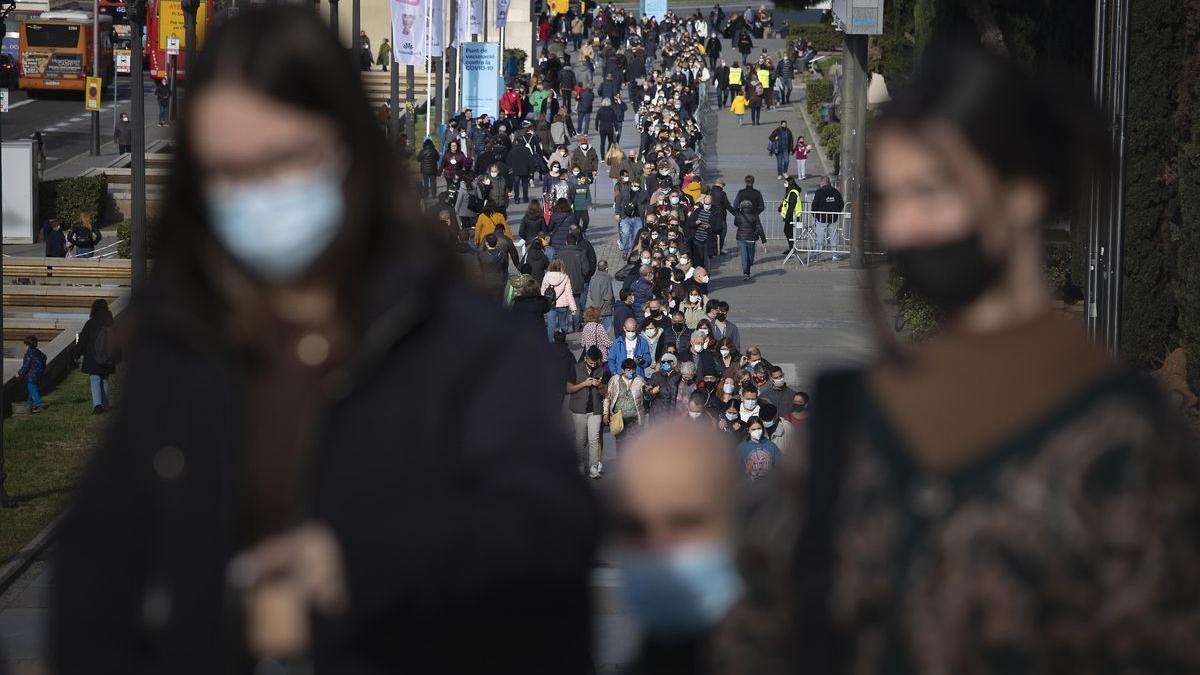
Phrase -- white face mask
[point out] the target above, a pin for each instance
(630, 334)
(725, 353)
(702, 332)
(727, 387)
(493, 174)
(693, 299)
(583, 146)
(777, 381)
(649, 332)
(697, 348)
(575, 171)
(702, 280)
(645, 261)
(684, 262)
(756, 434)
(731, 416)
(694, 415)
(750, 404)
(674, 200)
(624, 179)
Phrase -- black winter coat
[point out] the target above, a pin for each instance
(521, 160)
(749, 227)
(606, 119)
(748, 195)
(429, 160)
(460, 524)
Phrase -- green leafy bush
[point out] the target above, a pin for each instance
(818, 92)
(124, 248)
(66, 198)
(522, 57)
(831, 141)
(917, 318)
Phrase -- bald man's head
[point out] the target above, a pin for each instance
(676, 485)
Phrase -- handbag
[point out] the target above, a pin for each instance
(616, 423)
(625, 271)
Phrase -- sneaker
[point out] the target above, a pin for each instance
(599, 467)
(593, 473)
(34, 410)
(746, 277)
(97, 410)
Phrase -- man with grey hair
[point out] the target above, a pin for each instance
(827, 207)
(606, 124)
(600, 294)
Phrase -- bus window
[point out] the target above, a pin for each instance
(52, 35)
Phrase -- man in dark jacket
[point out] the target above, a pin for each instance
(162, 92)
(524, 158)
(784, 144)
(624, 308)
(587, 99)
(712, 49)
(493, 266)
(55, 239)
(608, 88)
(827, 206)
(749, 194)
(123, 135)
(577, 267)
(606, 124)
(586, 159)
(721, 208)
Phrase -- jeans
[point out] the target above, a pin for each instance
(577, 38)
(558, 318)
(722, 96)
(35, 396)
(587, 438)
(99, 390)
(83, 252)
(781, 162)
(740, 117)
(521, 188)
(428, 186)
(828, 230)
(754, 115)
(801, 168)
(786, 84)
(584, 119)
(746, 249)
(577, 319)
(164, 108)
(630, 226)
(606, 321)
(584, 217)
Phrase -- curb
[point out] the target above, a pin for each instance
(14, 568)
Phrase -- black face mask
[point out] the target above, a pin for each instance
(721, 316)
(799, 407)
(950, 275)
(678, 327)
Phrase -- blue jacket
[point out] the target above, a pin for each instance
(617, 353)
(33, 366)
(643, 292)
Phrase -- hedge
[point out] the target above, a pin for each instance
(124, 248)
(818, 93)
(66, 198)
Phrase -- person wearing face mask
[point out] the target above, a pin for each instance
(758, 453)
(453, 162)
(729, 420)
(581, 197)
(586, 158)
(1012, 447)
(254, 461)
(674, 517)
(779, 393)
(585, 389)
(662, 389)
(631, 344)
(683, 334)
(728, 358)
(827, 207)
(753, 360)
(123, 134)
(749, 228)
(625, 397)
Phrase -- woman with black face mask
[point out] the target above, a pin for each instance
(1001, 497)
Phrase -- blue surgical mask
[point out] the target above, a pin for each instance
(680, 592)
(667, 366)
(278, 230)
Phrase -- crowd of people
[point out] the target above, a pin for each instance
(1000, 498)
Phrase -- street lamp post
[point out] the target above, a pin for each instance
(333, 17)
(95, 149)
(190, 8)
(137, 108)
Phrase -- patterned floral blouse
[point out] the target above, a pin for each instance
(1074, 547)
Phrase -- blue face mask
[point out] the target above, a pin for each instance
(667, 366)
(680, 592)
(278, 230)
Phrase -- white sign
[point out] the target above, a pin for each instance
(437, 26)
(501, 13)
(172, 46)
(122, 58)
(409, 19)
(3, 100)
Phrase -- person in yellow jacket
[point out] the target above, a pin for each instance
(489, 221)
(764, 78)
(692, 187)
(739, 105)
(735, 77)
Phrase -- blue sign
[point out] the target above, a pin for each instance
(654, 8)
(481, 78)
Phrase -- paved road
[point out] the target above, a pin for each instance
(66, 127)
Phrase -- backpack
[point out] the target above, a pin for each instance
(758, 463)
(99, 349)
(630, 209)
(772, 147)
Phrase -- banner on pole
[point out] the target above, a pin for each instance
(501, 13)
(408, 31)
(437, 26)
(481, 78)
(476, 25)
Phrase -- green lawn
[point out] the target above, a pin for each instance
(44, 455)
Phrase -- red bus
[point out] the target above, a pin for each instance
(164, 20)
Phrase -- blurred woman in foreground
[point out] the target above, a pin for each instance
(255, 498)
(1002, 498)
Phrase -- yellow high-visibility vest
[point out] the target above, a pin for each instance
(735, 76)
(764, 77)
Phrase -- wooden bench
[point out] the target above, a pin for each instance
(68, 269)
(75, 297)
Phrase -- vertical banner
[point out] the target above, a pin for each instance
(408, 31)
(501, 13)
(437, 26)
(462, 23)
(476, 25)
(481, 78)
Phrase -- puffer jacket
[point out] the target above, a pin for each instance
(429, 160)
(749, 227)
(561, 283)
